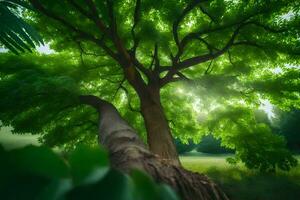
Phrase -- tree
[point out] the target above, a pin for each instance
(217, 58)
(289, 127)
(131, 153)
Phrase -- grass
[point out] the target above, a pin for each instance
(240, 183)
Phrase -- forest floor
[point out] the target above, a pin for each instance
(240, 183)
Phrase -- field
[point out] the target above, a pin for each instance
(242, 184)
(238, 182)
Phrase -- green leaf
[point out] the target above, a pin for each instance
(41, 161)
(88, 165)
(55, 190)
(114, 186)
(167, 193)
(144, 186)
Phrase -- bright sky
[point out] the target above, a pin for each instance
(267, 107)
(43, 49)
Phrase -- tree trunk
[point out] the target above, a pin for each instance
(159, 138)
(128, 152)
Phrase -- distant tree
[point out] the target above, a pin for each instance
(184, 147)
(289, 127)
(211, 145)
(173, 68)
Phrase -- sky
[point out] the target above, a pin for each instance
(43, 49)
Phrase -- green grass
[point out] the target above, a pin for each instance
(240, 183)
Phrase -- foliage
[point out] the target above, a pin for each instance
(208, 144)
(289, 127)
(39, 173)
(254, 143)
(225, 53)
(184, 148)
(15, 34)
(211, 145)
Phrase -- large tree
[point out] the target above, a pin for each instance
(226, 56)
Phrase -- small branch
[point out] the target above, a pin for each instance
(185, 12)
(230, 59)
(209, 46)
(119, 87)
(129, 100)
(206, 13)
(88, 53)
(156, 59)
(169, 79)
(96, 18)
(248, 43)
(182, 76)
(136, 19)
(209, 68)
(153, 58)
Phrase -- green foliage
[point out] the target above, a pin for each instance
(289, 127)
(15, 34)
(254, 143)
(39, 93)
(39, 173)
(184, 148)
(211, 145)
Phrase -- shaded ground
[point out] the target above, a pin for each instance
(242, 184)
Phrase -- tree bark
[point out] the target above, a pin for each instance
(159, 138)
(128, 152)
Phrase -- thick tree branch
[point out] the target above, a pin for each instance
(195, 35)
(198, 59)
(203, 58)
(93, 101)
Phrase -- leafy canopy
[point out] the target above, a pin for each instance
(215, 61)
